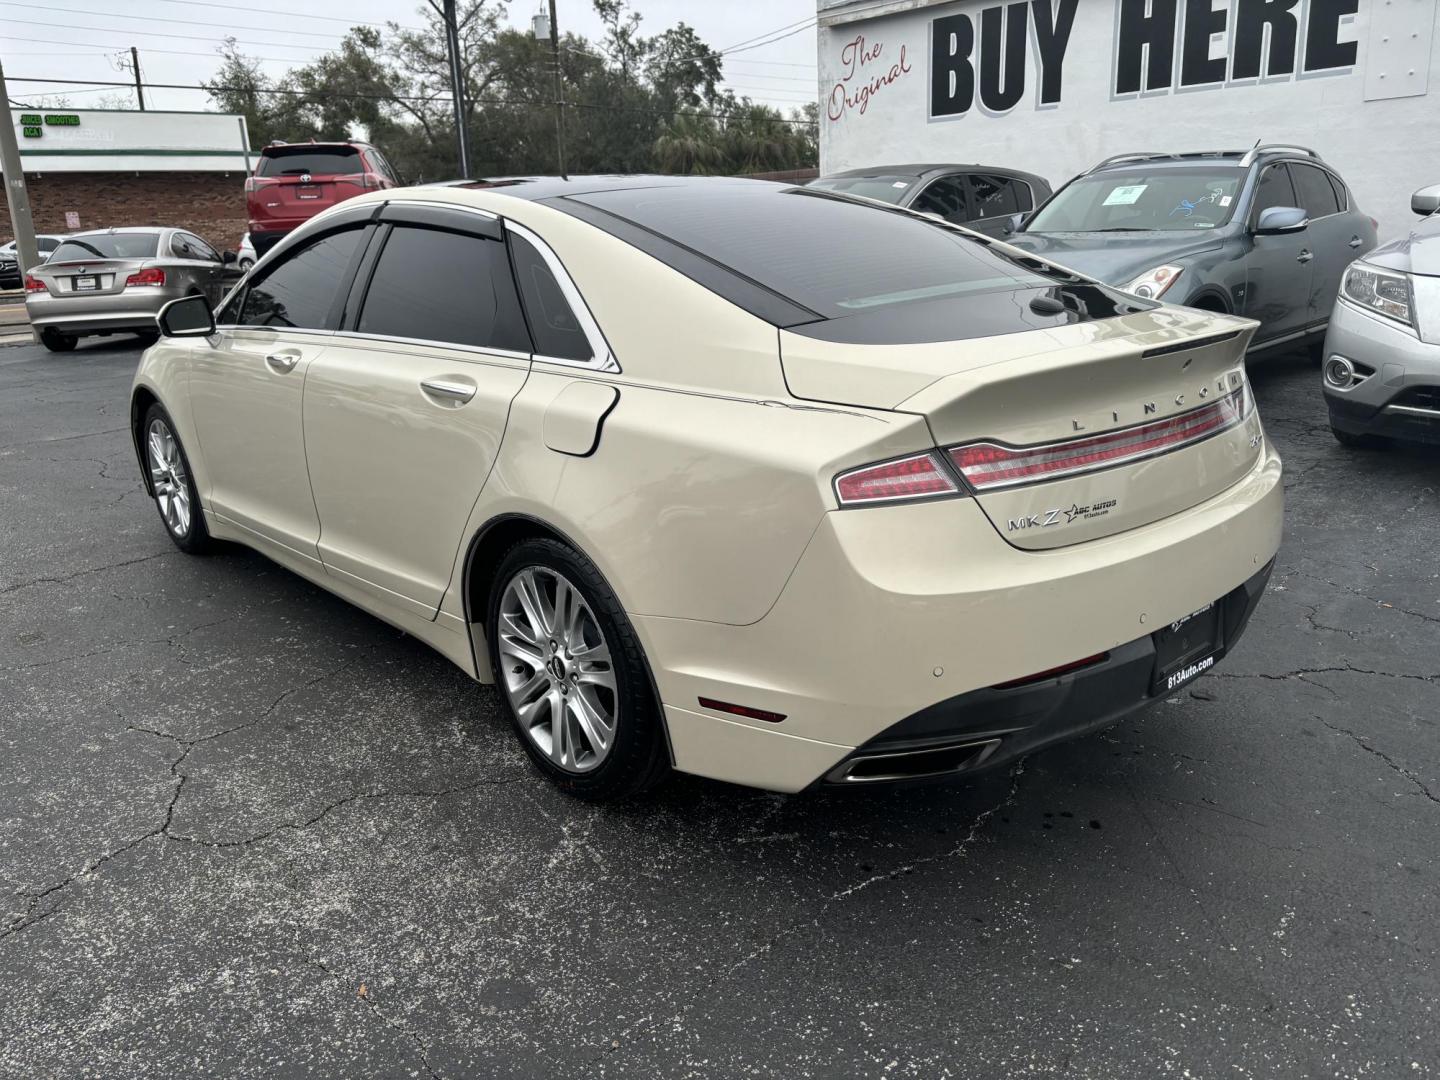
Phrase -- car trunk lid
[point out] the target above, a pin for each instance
(1070, 433)
(92, 277)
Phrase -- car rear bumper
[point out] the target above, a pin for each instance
(1402, 398)
(892, 610)
(132, 309)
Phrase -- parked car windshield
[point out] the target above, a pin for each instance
(889, 189)
(1158, 200)
(333, 161)
(107, 246)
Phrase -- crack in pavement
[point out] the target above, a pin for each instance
(1361, 742)
(82, 573)
(1364, 596)
(1300, 673)
(421, 1049)
(173, 641)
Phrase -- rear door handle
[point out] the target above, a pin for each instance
(451, 389)
(1304, 256)
(1355, 241)
(283, 361)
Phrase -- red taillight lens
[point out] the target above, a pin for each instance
(989, 466)
(151, 275)
(32, 285)
(918, 477)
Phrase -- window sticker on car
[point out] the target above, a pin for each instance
(1224, 200)
(1125, 195)
(900, 184)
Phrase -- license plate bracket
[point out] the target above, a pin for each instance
(86, 283)
(1187, 648)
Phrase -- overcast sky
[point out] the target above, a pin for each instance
(84, 39)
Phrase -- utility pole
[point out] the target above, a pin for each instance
(559, 93)
(457, 82)
(17, 197)
(135, 64)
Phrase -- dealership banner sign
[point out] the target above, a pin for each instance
(995, 58)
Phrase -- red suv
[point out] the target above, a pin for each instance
(295, 181)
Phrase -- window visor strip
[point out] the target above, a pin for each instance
(990, 467)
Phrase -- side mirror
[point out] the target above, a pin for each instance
(229, 258)
(1012, 223)
(190, 316)
(1426, 201)
(1281, 219)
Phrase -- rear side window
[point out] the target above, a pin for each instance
(553, 325)
(1275, 189)
(1316, 194)
(444, 286)
(1342, 197)
(997, 196)
(946, 197)
(332, 161)
(107, 246)
(300, 290)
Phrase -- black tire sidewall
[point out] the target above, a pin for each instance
(55, 341)
(638, 759)
(197, 540)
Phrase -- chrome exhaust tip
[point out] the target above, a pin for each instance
(919, 763)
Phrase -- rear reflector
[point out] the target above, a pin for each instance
(1052, 673)
(151, 275)
(989, 466)
(742, 710)
(918, 477)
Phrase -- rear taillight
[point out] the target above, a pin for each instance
(151, 275)
(990, 466)
(33, 285)
(366, 181)
(921, 476)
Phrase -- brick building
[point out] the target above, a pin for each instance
(98, 168)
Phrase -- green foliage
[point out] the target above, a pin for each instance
(631, 103)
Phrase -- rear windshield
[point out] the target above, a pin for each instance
(830, 255)
(332, 161)
(889, 189)
(1140, 200)
(107, 246)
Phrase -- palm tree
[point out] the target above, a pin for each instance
(691, 143)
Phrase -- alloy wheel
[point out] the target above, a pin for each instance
(556, 669)
(167, 476)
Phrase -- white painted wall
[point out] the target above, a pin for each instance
(1384, 146)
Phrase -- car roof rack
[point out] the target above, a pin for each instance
(1270, 148)
(1115, 159)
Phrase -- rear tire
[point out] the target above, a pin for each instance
(55, 341)
(1357, 442)
(172, 484)
(572, 674)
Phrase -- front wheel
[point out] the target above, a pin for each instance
(572, 674)
(172, 485)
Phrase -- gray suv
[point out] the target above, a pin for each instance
(1265, 233)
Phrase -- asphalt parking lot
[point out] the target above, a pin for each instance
(246, 830)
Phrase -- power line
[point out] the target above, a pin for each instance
(251, 10)
(329, 35)
(107, 50)
(435, 99)
(158, 33)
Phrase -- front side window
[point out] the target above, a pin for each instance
(444, 286)
(946, 197)
(107, 246)
(48, 243)
(553, 325)
(1274, 189)
(1316, 194)
(1142, 200)
(300, 290)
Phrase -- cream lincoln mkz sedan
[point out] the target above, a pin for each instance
(755, 482)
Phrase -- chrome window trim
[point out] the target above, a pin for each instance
(487, 214)
(431, 343)
(601, 358)
(275, 329)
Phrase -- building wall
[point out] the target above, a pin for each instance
(210, 204)
(1003, 83)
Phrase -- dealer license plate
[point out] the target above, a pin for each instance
(1186, 649)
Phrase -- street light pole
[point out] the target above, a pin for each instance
(457, 85)
(17, 196)
(559, 93)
